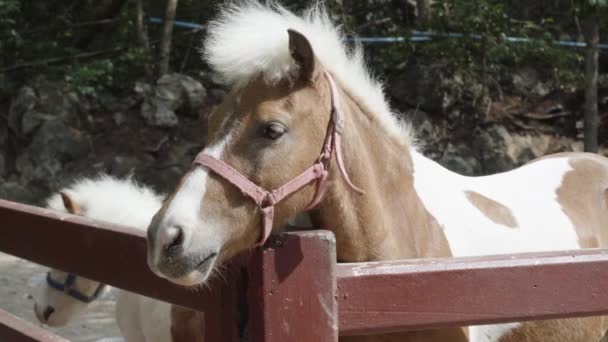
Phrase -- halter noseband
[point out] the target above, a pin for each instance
(266, 200)
(66, 287)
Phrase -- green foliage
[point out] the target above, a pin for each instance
(598, 3)
(8, 11)
(484, 50)
(108, 74)
(89, 78)
(586, 8)
(36, 31)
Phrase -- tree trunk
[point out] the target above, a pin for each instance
(142, 28)
(165, 43)
(592, 38)
(424, 13)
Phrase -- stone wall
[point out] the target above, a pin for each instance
(52, 135)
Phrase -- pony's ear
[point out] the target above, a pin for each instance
(70, 205)
(301, 51)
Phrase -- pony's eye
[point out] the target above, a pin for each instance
(274, 130)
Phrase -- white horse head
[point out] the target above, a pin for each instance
(64, 296)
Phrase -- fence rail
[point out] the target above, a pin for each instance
(292, 289)
(419, 294)
(15, 329)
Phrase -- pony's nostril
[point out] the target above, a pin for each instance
(48, 312)
(173, 238)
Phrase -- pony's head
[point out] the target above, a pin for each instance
(270, 128)
(64, 296)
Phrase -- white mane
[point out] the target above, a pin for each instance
(250, 39)
(118, 201)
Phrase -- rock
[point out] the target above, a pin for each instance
(421, 124)
(185, 93)
(122, 166)
(210, 78)
(603, 102)
(526, 82)
(524, 79)
(24, 102)
(460, 158)
(491, 146)
(13, 191)
(143, 89)
(540, 90)
(434, 90)
(158, 112)
(42, 101)
(55, 100)
(173, 93)
(32, 119)
(2, 165)
(217, 95)
(165, 179)
(53, 145)
(501, 150)
(119, 118)
(3, 136)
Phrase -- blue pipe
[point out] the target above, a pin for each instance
(178, 23)
(416, 36)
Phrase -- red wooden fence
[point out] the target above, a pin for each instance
(292, 289)
(13, 328)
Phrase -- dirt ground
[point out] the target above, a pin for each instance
(18, 281)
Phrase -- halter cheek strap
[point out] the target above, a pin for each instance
(319, 171)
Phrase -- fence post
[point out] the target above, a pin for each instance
(226, 322)
(292, 289)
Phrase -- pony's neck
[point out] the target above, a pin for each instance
(389, 221)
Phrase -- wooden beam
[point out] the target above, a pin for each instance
(101, 251)
(381, 297)
(292, 288)
(110, 254)
(15, 329)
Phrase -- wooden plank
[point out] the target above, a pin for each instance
(292, 289)
(227, 322)
(380, 297)
(15, 329)
(108, 253)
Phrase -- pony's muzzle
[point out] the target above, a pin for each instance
(168, 255)
(171, 240)
(43, 315)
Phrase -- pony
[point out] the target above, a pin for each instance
(64, 296)
(307, 129)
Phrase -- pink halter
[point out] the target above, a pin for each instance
(266, 200)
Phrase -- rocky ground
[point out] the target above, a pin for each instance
(49, 135)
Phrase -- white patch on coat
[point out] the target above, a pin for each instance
(490, 333)
(185, 207)
(142, 318)
(529, 192)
